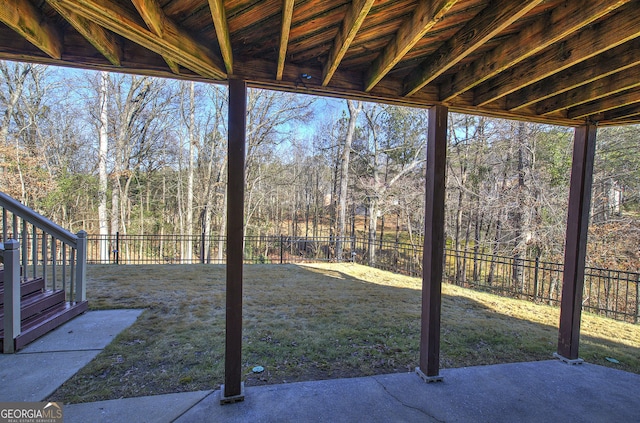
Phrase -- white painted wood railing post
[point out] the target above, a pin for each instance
(11, 294)
(81, 267)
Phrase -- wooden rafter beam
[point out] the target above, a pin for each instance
(622, 26)
(154, 17)
(351, 23)
(176, 44)
(595, 90)
(426, 15)
(287, 16)
(219, 16)
(562, 21)
(615, 60)
(609, 103)
(26, 20)
(623, 113)
(103, 41)
(485, 25)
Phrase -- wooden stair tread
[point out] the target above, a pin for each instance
(26, 288)
(38, 302)
(40, 324)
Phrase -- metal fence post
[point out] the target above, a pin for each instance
(116, 253)
(11, 294)
(202, 248)
(81, 267)
(637, 319)
(535, 279)
(281, 247)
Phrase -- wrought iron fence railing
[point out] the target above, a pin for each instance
(612, 293)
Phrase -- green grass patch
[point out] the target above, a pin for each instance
(306, 322)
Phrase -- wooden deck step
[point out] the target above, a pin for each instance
(38, 302)
(26, 288)
(40, 324)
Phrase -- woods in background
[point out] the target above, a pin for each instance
(114, 153)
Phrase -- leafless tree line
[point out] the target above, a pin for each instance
(127, 154)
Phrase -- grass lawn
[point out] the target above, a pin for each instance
(306, 322)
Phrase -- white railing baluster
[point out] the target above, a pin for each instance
(25, 248)
(4, 224)
(72, 256)
(81, 289)
(44, 256)
(54, 261)
(11, 294)
(64, 267)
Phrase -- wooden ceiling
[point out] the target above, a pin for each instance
(553, 61)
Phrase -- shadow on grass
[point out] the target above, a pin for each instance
(301, 323)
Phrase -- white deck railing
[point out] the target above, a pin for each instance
(45, 250)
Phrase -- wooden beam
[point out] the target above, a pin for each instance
(608, 103)
(595, 90)
(433, 249)
(176, 44)
(485, 25)
(576, 241)
(235, 223)
(622, 26)
(26, 20)
(219, 16)
(623, 113)
(561, 22)
(424, 17)
(154, 17)
(103, 41)
(622, 57)
(287, 16)
(356, 12)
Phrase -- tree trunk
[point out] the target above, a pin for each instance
(103, 141)
(189, 220)
(354, 110)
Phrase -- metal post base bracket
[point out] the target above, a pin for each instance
(568, 360)
(233, 398)
(428, 379)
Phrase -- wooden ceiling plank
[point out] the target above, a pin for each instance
(561, 22)
(287, 16)
(356, 13)
(219, 16)
(103, 41)
(622, 26)
(153, 15)
(625, 112)
(176, 44)
(26, 20)
(622, 57)
(609, 103)
(426, 15)
(484, 26)
(595, 90)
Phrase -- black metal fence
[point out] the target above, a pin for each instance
(611, 293)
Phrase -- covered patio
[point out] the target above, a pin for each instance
(556, 62)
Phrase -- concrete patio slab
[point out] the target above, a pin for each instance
(548, 391)
(152, 409)
(38, 370)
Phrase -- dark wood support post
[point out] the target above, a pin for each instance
(433, 250)
(232, 390)
(576, 242)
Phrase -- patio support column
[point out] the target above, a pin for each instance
(584, 147)
(433, 250)
(232, 390)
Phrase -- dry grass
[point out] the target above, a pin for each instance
(310, 322)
